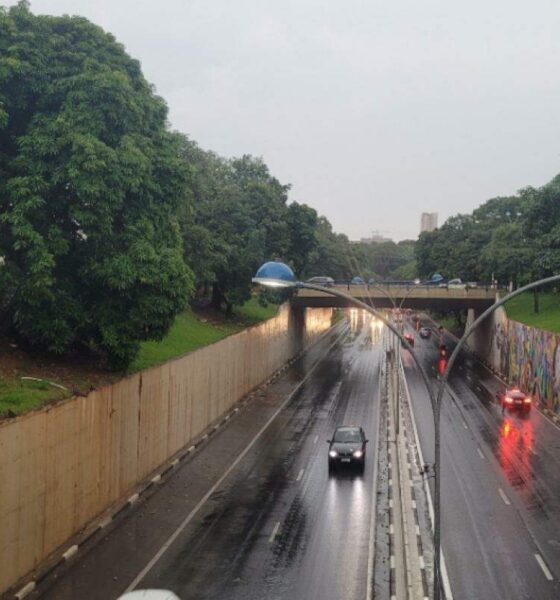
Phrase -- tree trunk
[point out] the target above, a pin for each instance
(536, 301)
(219, 298)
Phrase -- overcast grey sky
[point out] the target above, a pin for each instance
(373, 110)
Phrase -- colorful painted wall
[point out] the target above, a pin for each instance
(526, 356)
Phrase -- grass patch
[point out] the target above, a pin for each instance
(18, 396)
(190, 332)
(253, 312)
(521, 309)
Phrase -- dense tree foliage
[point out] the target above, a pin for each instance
(513, 239)
(90, 182)
(109, 222)
(239, 218)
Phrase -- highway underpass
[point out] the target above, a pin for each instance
(254, 514)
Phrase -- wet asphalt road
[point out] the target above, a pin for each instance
(500, 484)
(278, 526)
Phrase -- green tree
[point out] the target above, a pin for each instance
(90, 183)
(301, 221)
(541, 225)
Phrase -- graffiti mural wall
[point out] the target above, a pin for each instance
(529, 358)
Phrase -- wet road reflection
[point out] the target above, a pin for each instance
(488, 456)
(284, 528)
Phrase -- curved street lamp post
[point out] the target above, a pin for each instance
(276, 274)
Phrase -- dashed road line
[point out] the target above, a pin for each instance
(544, 568)
(480, 453)
(26, 590)
(465, 424)
(70, 552)
(274, 532)
(504, 497)
(315, 439)
(300, 475)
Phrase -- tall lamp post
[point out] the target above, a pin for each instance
(436, 278)
(276, 274)
(443, 383)
(279, 275)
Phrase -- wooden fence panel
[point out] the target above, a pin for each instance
(63, 465)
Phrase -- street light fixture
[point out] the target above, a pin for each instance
(277, 274)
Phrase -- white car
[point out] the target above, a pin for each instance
(456, 284)
(149, 595)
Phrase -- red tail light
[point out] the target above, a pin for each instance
(509, 400)
(527, 400)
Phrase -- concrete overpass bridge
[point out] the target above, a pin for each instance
(413, 297)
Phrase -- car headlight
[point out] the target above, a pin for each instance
(333, 453)
(358, 454)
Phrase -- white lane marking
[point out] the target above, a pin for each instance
(300, 475)
(70, 552)
(504, 497)
(175, 462)
(315, 439)
(392, 561)
(480, 453)
(274, 532)
(26, 590)
(544, 568)
(391, 529)
(191, 449)
(373, 509)
(469, 377)
(390, 482)
(133, 498)
(443, 566)
(465, 424)
(461, 367)
(421, 560)
(479, 388)
(417, 529)
(234, 464)
(391, 503)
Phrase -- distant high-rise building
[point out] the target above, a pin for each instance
(428, 222)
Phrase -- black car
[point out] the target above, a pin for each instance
(425, 333)
(514, 398)
(347, 447)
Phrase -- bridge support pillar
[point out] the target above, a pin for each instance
(486, 339)
(297, 327)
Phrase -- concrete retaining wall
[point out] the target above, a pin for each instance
(62, 466)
